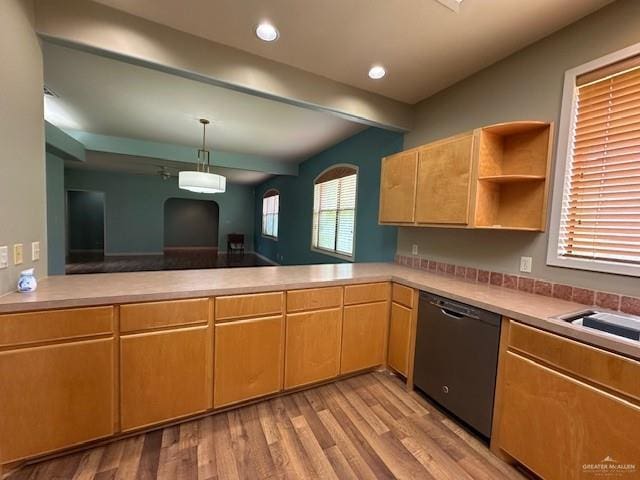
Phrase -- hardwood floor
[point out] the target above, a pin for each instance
(80, 264)
(362, 427)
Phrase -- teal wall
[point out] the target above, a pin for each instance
(135, 208)
(55, 214)
(373, 242)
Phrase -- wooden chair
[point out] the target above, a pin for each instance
(235, 243)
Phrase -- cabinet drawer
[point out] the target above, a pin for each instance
(366, 293)
(554, 424)
(26, 328)
(613, 371)
(402, 295)
(314, 298)
(247, 306)
(142, 316)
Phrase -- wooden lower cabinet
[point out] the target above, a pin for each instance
(560, 427)
(363, 336)
(312, 346)
(165, 375)
(55, 397)
(399, 338)
(249, 359)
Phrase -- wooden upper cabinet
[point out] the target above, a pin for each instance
(444, 174)
(398, 187)
(55, 397)
(493, 177)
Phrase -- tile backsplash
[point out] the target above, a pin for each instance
(608, 300)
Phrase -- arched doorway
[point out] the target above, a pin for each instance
(190, 226)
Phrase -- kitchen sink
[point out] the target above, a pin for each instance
(620, 325)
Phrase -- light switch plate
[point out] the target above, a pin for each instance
(525, 264)
(4, 256)
(17, 254)
(35, 251)
(414, 250)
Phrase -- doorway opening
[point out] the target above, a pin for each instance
(191, 227)
(85, 225)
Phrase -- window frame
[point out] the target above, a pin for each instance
(333, 253)
(563, 162)
(264, 197)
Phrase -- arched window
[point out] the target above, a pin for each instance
(334, 210)
(270, 209)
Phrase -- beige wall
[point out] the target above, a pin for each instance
(109, 31)
(525, 86)
(22, 167)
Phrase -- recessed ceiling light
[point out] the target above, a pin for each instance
(267, 32)
(377, 72)
(453, 5)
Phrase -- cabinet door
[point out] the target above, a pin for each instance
(312, 346)
(444, 172)
(164, 375)
(399, 335)
(558, 426)
(55, 397)
(363, 333)
(248, 359)
(398, 187)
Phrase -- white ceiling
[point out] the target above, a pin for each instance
(109, 97)
(424, 45)
(146, 166)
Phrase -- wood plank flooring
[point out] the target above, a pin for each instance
(363, 427)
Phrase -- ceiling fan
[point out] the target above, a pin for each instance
(165, 173)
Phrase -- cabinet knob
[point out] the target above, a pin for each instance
(445, 389)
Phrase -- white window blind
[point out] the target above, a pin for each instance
(601, 207)
(334, 211)
(270, 210)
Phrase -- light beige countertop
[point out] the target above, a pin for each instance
(116, 288)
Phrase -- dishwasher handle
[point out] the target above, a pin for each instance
(453, 312)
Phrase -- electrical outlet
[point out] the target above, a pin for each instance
(414, 250)
(17, 254)
(4, 256)
(525, 264)
(35, 251)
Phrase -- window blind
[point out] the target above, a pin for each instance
(334, 210)
(601, 209)
(270, 209)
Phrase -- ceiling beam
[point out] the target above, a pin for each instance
(178, 153)
(107, 31)
(62, 145)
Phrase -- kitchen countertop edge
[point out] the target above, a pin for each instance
(488, 297)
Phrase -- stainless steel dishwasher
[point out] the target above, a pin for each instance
(457, 357)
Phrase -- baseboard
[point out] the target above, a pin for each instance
(266, 259)
(132, 254)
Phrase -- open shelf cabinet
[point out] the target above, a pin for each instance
(513, 174)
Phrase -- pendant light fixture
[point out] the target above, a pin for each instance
(202, 180)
